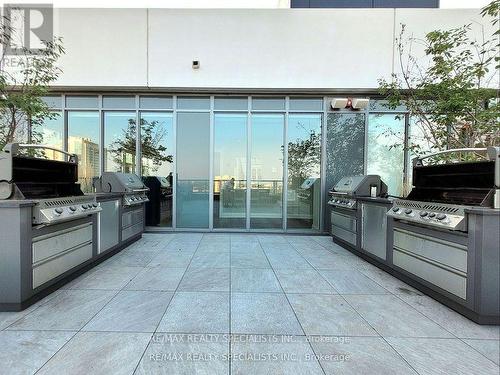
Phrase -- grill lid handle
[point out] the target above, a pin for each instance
(417, 162)
(13, 149)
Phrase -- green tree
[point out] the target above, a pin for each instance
(152, 149)
(452, 99)
(22, 87)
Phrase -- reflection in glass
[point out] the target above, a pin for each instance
(345, 143)
(50, 132)
(385, 153)
(83, 140)
(119, 142)
(157, 146)
(304, 164)
(230, 145)
(267, 171)
(193, 162)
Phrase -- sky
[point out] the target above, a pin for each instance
(207, 3)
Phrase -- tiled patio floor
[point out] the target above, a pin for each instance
(292, 304)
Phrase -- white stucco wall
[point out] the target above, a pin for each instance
(273, 49)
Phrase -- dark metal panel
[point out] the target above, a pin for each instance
(406, 3)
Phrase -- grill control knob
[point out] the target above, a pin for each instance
(424, 214)
(94, 205)
(58, 211)
(408, 211)
(84, 206)
(441, 216)
(432, 214)
(395, 209)
(72, 208)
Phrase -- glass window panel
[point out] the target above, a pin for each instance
(119, 142)
(156, 102)
(193, 163)
(268, 104)
(345, 144)
(225, 103)
(157, 158)
(230, 163)
(267, 171)
(193, 102)
(118, 102)
(385, 153)
(53, 101)
(306, 104)
(81, 102)
(83, 140)
(50, 132)
(304, 166)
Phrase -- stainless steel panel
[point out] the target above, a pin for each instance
(374, 229)
(132, 217)
(52, 268)
(452, 282)
(54, 243)
(344, 235)
(343, 221)
(132, 230)
(109, 225)
(444, 252)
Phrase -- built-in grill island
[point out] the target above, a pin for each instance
(46, 222)
(357, 209)
(446, 232)
(133, 196)
(50, 229)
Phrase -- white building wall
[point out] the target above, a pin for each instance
(273, 49)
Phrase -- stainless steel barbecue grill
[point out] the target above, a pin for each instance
(133, 189)
(344, 193)
(51, 184)
(443, 192)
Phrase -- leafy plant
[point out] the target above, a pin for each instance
(452, 100)
(22, 108)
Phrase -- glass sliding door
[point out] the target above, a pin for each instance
(193, 169)
(83, 140)
(266, 207)
(230, 163)
(120, 142)
(304, 165)
(157, 165)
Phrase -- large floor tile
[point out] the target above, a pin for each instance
(452, 321)
(489, 348)
(186, 355)
(331, 262)
(303, 281)
(138, 258)
(392, 317)
(24, 352)
(263, 313)
(352, 282)
(205, 280)
(359, 355)
(157, 278)
(170, 260)
(99, 353)
(389, 282)
(254, 280)
(69, 310)
(273, 355)
(287, 260)
(211, 260)
(197, 312)
(105, 278)
(131, 311)
(249, 259)
(442, 356)
(322, 314)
